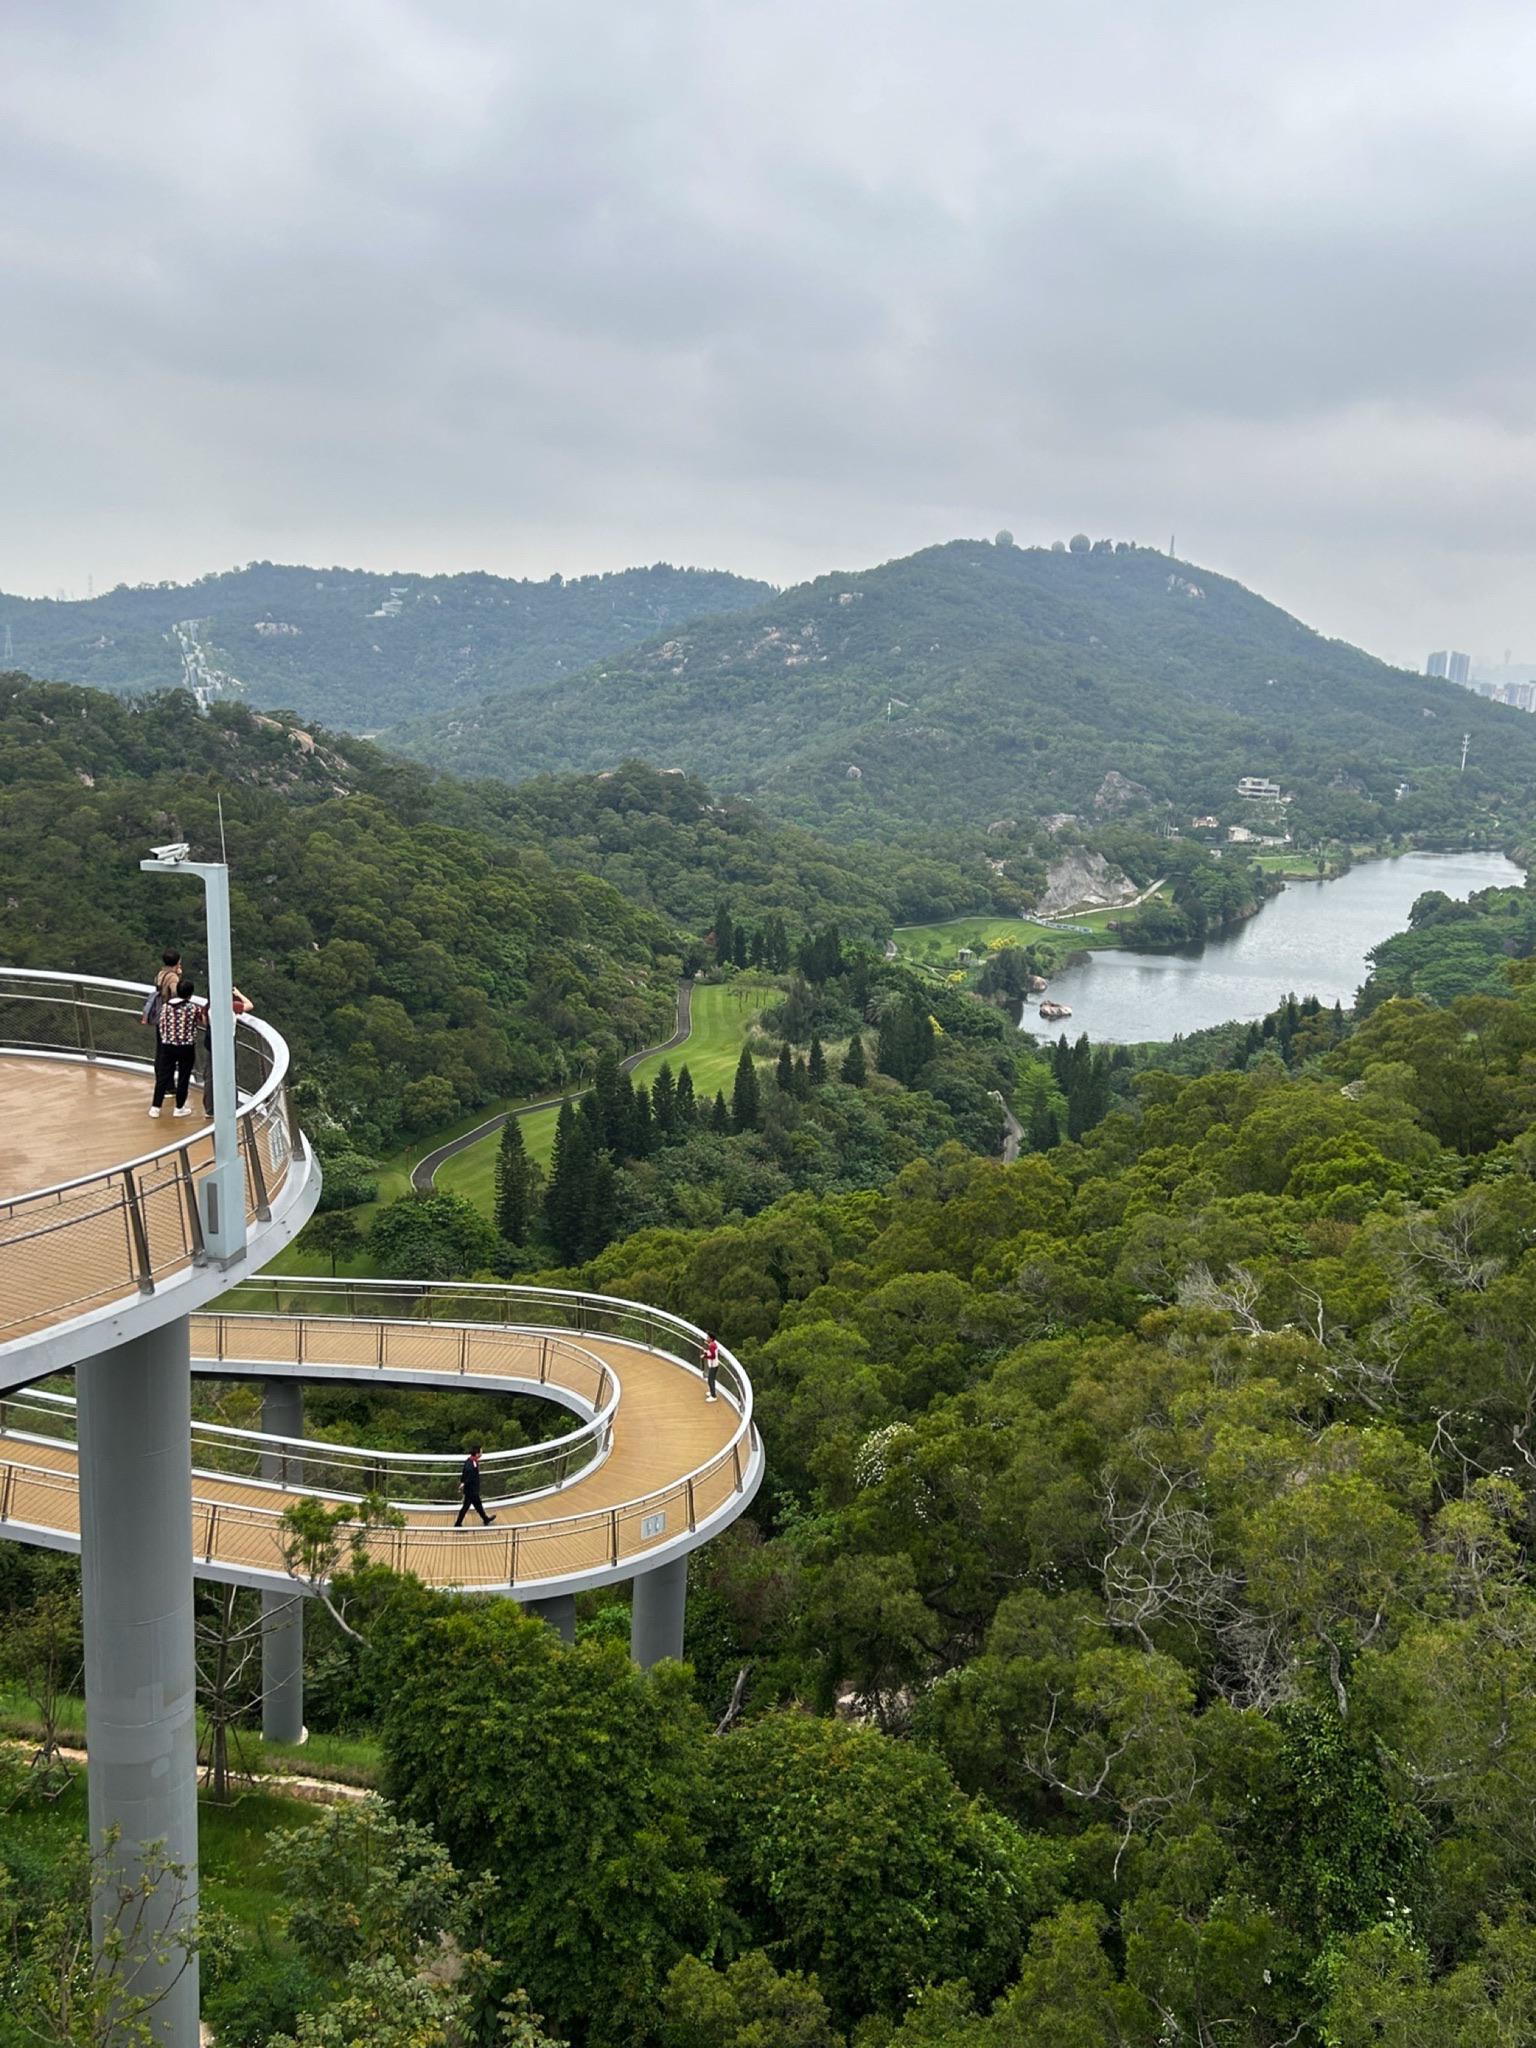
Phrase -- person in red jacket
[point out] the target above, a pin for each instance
(243, 1005)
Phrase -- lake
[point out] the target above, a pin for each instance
(1313, 939)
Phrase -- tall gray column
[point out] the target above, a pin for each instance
(660, 1598)
(140, 1661)
(282, 1614)
(559, 1611)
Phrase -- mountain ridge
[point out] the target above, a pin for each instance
(355, 647)
(972, 680)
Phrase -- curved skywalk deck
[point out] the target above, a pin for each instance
(653, 1470)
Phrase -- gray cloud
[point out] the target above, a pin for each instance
(779, 287)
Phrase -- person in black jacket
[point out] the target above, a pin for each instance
(469, 1486)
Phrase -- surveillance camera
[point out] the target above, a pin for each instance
(176, 851)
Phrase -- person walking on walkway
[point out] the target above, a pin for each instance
(469, 1486)
(709, 1358)
(176, 1029)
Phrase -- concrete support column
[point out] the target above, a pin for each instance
(559, 1611)
(140, 1663)
(660, 1598)
(282, 1614)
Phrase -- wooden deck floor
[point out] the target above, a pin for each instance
(62, 1118)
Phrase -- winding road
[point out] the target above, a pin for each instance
(424, 1172)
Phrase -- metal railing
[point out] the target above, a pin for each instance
(340, 1471)
(88, 1241)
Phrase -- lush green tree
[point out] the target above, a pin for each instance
(432, 1237)
(599, 1776)
(749, 2004)
(334, 1235)
(853, 1855)
(855, 1072)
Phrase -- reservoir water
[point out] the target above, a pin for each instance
(1313, 939)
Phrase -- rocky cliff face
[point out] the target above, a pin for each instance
(1084, 881)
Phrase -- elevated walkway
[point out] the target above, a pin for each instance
(652, 1471)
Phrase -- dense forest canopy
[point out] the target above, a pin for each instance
(973, 682)
(353, 647)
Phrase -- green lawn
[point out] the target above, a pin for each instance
(723, 1013)
(231, 1841)
(350, 1759)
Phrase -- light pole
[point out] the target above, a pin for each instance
(221, 1192)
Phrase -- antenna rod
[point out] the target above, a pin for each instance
(223, 849)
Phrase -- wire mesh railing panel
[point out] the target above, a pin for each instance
(89, 1240)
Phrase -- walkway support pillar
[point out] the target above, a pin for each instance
(282, 1614)
(134, 1418)
(660, 1598)
(559, 1610)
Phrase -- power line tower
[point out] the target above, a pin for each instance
(1466, 741)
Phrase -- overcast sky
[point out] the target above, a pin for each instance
(779, 285)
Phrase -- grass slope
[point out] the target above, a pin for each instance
(723, 1014)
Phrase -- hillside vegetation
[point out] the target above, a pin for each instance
(352, 648)
(971, 683)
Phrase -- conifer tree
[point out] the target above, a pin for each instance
(725, 937)
(816, 1070)
(514, 1183)
(784, 1071)
(739, 950)
(685, 1112)
(639, 1132)
(800, 1080)
(720, 1115)
(570, 1168)
(664, 1102)
(855, 1067)
(746, 1103)
(600, 1210)
(1044, 1131)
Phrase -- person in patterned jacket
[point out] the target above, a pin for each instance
(176, 1029)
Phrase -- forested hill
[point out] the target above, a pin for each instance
(973, 681)
(355, 649)
(425, 945)
(417, 963)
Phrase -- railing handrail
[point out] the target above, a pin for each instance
(269, 1441)
(731, 1368)
(273, 1040)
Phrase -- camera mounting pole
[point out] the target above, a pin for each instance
(221, 1193)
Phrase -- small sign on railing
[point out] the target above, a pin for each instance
(653, 1525)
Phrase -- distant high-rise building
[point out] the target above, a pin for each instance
(1460, 669)
(1436, 664)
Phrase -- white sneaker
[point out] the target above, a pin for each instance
(154, 1112)
(711, 1397)
(182, 1112)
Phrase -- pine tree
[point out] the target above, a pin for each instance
(686, 1109)
(746, 1103)
(570, 1169)
(608, 1087)
(800, 1080)
(784, 1071)
(1044, 1131)
(855, 1070)
(720, 1115)
(514, 1183)
(639, 1133)
(817, 1068)
(725, 937)
(739, 950)
(664, 1103)
(757, 951)
(600, 1210)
